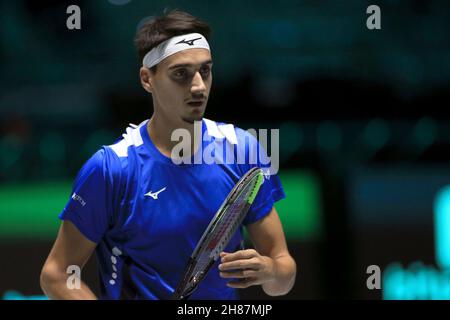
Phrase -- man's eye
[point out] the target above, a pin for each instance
(180, 73)
(205, 70)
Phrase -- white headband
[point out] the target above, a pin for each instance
(172, 46)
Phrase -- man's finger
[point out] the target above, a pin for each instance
(238, 255)
(239, 264)
(240, 274)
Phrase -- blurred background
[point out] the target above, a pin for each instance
(363, 116)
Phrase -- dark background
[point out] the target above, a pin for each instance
(363, 118)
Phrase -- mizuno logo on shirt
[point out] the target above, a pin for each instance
(188, 42)
(154, 195)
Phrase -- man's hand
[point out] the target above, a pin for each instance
(269, 265)
(248, 266)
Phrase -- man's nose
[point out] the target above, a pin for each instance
(198, 85)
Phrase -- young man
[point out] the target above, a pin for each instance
(144, 214)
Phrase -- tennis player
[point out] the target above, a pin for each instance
(143, 214)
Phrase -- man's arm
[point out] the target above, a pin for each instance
(70, 248)
(270, 265)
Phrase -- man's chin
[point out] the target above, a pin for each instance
(192, 118)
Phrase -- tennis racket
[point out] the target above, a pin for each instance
(220, 231)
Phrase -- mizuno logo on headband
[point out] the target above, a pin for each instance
(188, 42)
(174, 45)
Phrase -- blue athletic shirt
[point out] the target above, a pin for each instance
(147, 214)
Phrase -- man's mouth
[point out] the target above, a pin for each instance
(197, 103)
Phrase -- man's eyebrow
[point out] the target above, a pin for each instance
(180, 65)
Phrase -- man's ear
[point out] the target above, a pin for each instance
(146, 79)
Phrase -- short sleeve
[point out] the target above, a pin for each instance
(271, 190)
(91, 203)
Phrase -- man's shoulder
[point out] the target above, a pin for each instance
(113, 158)
(104, 161)
(131, 138)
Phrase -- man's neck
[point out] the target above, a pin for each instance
(160, 131)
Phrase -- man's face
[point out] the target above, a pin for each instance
(181, 85)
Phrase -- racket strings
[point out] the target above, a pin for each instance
(229, 223)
